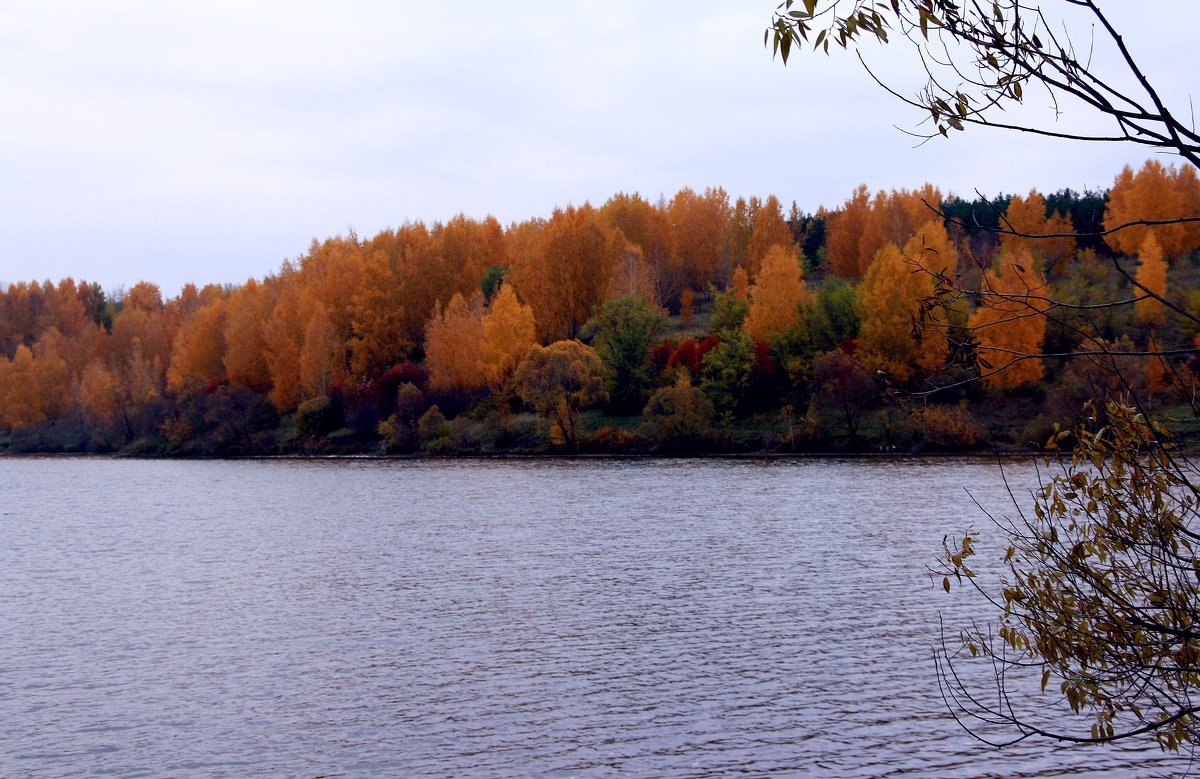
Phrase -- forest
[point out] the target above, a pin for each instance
(688, 325)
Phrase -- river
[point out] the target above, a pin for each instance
(491, 618)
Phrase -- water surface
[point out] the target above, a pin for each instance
(546, 618)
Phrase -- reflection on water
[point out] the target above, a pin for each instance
(489, 618)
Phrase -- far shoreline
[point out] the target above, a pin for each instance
(1006, 454)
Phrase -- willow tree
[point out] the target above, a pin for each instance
(559, 381)
(1099, 599)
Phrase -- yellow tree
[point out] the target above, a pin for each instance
(1187, 184)
(645, 226)
(409, 275)
(378, 319)
(100, 394)
(19, 403)
(559, 381)
(245, 340)
(140, 344)
(453, 342)
(509, 330)
(775, 295)
(914, 208)
(879, 228)
(465, 255)
(698, 227)
(16, 318)
(65, 312)
(198, 353)
(898, 335)
(563, 270)
(322, 355)
(191, 299)
(306, 339)
(632, 275)
(34, 385)
(1151, 274)
(770, 229)
(844, 228)
(331, 274)
(932, 248)
(888, 300)
(494, 244)
(53, 374)
(893, 217)
(143, 377)
(737, 236)
(1009, 325)
(283, 336)
(1027, 216)
(1150, 194)
(307, 336)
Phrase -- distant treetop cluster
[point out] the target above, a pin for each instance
(693, 323)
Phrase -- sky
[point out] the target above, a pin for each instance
(207, 141)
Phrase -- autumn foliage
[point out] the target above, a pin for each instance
(900, 335)
(1152, 275)
(1156, 192)
(776, 295)
(691, 313)
(509, 331)
(1009, 326)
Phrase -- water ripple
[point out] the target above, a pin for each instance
(500, 619)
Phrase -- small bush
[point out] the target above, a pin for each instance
(952, 427)
(317, 417)
(678, 417)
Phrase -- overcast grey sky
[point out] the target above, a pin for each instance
(207, 141)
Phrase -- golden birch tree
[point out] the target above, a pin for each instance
(453, 343)
(776, 295)
(1151, 274)
(509, 331)
(1009, 326)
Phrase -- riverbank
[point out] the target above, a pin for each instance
(884, 432)
(1010, 425)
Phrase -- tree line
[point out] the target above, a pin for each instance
(694, 323)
